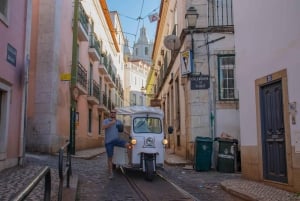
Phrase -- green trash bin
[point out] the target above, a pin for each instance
(203, 151)
(227, 155)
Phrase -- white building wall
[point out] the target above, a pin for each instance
(272, 46)
(227, 121)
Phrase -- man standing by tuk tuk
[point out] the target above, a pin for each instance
(112, 127)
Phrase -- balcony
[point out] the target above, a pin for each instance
(103, 64)
(102, 102)
(94, 48)
(81, 82)
(110, 104)
(110, 78)
(83, 25)
(220, 14)
(93, 97)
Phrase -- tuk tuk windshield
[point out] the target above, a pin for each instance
(147, 125)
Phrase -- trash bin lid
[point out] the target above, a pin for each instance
(203, 139)
(226, 140)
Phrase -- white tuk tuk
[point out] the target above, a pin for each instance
(146, 133)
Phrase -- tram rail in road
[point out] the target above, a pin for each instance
(158, 189)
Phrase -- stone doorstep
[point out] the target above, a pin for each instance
(255, 191)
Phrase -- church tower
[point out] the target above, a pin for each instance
(143, 48)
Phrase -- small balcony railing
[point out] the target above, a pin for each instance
(110, 77)
(104, 99)
(81, 77)
(103, 64)
(83, 24)
(94, 93)
(220, 13)
(94, 47)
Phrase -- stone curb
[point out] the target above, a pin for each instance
(69, 194)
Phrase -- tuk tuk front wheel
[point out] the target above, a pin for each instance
(149, 170)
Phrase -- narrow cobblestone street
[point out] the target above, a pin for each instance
(94, 184)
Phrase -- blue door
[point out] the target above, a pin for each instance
(273, 132)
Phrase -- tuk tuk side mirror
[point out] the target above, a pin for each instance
(170, 130)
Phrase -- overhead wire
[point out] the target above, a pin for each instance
(139, 18)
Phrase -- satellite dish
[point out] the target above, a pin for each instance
(172, 42)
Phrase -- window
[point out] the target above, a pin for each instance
(90, 121)
(133, 99)
(3, 10)
(146, 50)
(141, 100)
(91, 80)
(136, 51)
(147, 125)
(220, 13)
(177, 104)
(99, 124)
(227, 84)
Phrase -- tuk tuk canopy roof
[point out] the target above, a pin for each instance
(130, 110)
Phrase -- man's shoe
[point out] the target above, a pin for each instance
(111, 176)
(127, 165)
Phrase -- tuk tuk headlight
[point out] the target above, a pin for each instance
(164, 141)
(133, 141)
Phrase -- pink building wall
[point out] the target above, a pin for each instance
(13, 32)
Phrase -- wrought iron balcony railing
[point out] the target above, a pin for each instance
(82, 76)
(95, 43)
(83, 19)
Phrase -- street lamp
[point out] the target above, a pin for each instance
(191, 17)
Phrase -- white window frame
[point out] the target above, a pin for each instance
(4, 16)
(4, 121)
(222, 77)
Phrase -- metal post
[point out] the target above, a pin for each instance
(73, 77)
(192, 64)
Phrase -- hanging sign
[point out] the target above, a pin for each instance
(186, 62)
(199, 82)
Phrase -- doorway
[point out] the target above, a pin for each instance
(273, 132)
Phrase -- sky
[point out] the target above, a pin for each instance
(133, 15)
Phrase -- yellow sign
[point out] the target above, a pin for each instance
(65, 77)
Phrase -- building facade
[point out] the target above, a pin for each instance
(137, 67)
(15, 21)
(194, 73)
(268, 73)
(81, 48)
(136, 72)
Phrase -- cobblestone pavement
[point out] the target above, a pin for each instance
(93, 182)
(14, 179)
(205, 186)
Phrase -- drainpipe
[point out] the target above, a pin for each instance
(23, 124)
(211, 95)
(73, 77)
